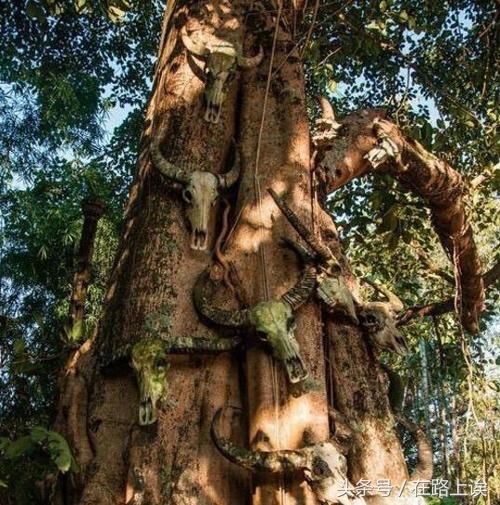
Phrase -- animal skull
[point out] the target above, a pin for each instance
(200, 192)
(222, 60)
(379, 321)
(150, 366)
(149, 357)
(334, 293)
(323, 465)
(275, 320)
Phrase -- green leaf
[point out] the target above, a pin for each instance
(60, 451)
(332, 86)
(19, 347)
(383, 6)
(35, 11)
(38, 434)
(18, 447)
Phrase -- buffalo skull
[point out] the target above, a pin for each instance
(222, 60)
(378, 319)
(200, 190)
(323, 465)
(149, 361)
(273, 319)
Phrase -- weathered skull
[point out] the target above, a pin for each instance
(222, 60)
(150, 366)
(200, 191)
(333, 291)
(323, 465)
(200, 194)
(275, 320)
(325, 470)
(220, 69)
(379, 323)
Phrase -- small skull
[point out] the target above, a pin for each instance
(200, 194)
(378, 321)
(220, 69)
(150, 366)
(326, 473)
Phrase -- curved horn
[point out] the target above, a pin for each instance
(229, 178)
(320, 249)
(298, 294)
(326, 108)
(232, 318)
(327, 112)
(256, 461)
(197, 48)
(394, 301)
(251, 61)
(424, 468)
(209, 345)
(165, 167)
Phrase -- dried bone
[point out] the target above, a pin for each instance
(222, 60)
(200, 191)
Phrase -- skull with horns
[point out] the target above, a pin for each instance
(200, 191)
(222, 60)
(378, 319)
(273, 319)
(323, 465)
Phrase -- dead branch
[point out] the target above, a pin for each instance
(444, 306)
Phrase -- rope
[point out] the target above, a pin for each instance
(262, 253)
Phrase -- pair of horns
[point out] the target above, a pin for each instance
(241, 318)
(181, 176)
(204, 48)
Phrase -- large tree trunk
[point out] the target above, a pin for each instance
(174, 461)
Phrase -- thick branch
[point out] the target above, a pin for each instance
(422, 173)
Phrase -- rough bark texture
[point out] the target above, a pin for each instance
(174, 461)
(425, 175)
(92, 211)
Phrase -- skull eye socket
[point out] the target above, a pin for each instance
(187, 196)
(320, 468)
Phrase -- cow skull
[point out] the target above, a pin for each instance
(378, 319)
(323, 465)
(150, 366)
(273, 319)
(200, 190)
(222, 60)
(149, 361)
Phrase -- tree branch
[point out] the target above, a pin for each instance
(444, 306)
